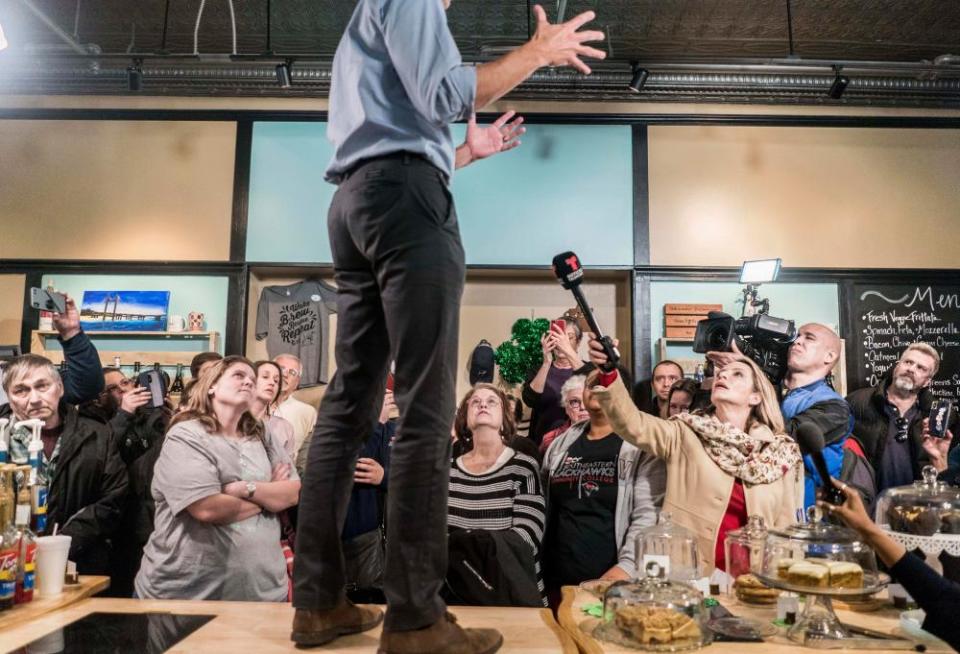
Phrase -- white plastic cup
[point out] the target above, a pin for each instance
(52, 554)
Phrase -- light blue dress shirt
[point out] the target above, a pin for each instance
(398, 83)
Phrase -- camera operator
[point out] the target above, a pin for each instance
(807, 397)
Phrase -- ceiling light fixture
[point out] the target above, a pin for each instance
(839, 85)
(283, 74)
(639, 79)
(135, 75)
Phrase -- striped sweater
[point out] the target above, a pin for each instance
(509, 496)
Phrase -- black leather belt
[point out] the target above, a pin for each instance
(403, 156)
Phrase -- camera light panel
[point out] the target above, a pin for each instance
(759, 271)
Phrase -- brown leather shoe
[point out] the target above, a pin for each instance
(317, 627)
(444, 636)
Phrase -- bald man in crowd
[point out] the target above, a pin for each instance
(808, 398)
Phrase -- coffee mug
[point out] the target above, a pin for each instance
(176, 323)
(196, 321)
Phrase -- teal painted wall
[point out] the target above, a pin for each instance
(566, 187)
(188, 293)
(801, 303)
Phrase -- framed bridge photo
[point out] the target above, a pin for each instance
(126, 311)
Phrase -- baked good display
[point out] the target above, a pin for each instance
(845, 574)
(648, 625)
(783, 565)
(950, 522)
(750, 590)
(924, 508)
(819, 560)
(806, 573)
(654, 614)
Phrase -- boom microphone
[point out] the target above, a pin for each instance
(567, 268)
(810, 439)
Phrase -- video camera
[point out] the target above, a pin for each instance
(762, 338)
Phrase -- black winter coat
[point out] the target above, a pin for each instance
(83, 378)
(871, 424)
(87, 494)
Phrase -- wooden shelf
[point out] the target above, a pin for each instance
(38, 345)
(96, 334)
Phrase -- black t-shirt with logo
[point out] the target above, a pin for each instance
(581, 542)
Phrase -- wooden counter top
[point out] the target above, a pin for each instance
(263, 628)
(40, 605)
(579, 625)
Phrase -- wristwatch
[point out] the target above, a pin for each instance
(251, 489)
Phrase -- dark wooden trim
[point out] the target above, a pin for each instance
(847, 328)
(110, 267)
(237, 115)
(641, 196)
(241, 191)
(235, 336)
(835, 275)
(642, 338)
(31, 317)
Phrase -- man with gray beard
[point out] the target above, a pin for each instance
(890, 420)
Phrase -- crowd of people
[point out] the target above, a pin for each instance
(199, 500)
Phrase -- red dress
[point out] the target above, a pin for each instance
(734, 518)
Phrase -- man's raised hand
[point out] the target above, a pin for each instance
(562, 45)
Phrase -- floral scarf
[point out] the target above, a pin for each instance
(760, 457)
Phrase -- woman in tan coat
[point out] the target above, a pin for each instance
(728, 462)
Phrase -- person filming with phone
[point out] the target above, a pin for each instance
(891, 420)
(560, 362)
(138, 420)
(83, 375)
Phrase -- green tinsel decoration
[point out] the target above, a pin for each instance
(522, 353)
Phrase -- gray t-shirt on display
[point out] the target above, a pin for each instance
(188, 559)
(295, 320)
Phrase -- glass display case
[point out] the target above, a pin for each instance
(743, 553)
(821, 561)
(924, 515)
(654, 614)
(667, 550)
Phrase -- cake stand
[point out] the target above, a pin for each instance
(819, 621)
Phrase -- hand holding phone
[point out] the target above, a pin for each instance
(44, 300)
(940, 413)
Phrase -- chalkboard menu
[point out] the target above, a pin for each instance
(888, 318)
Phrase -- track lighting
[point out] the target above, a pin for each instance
(283, 75)
(839, 85)
(135, 75)
(639, 78)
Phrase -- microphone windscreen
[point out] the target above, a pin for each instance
(566, 266)
(810, 438)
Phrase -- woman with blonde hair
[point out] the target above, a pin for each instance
(727, 462)
(219, 483)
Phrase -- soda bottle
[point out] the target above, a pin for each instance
(26, 545)
(9, 554)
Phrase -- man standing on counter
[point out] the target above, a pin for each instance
(398, 83)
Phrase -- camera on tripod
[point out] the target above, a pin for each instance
(759, 336)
